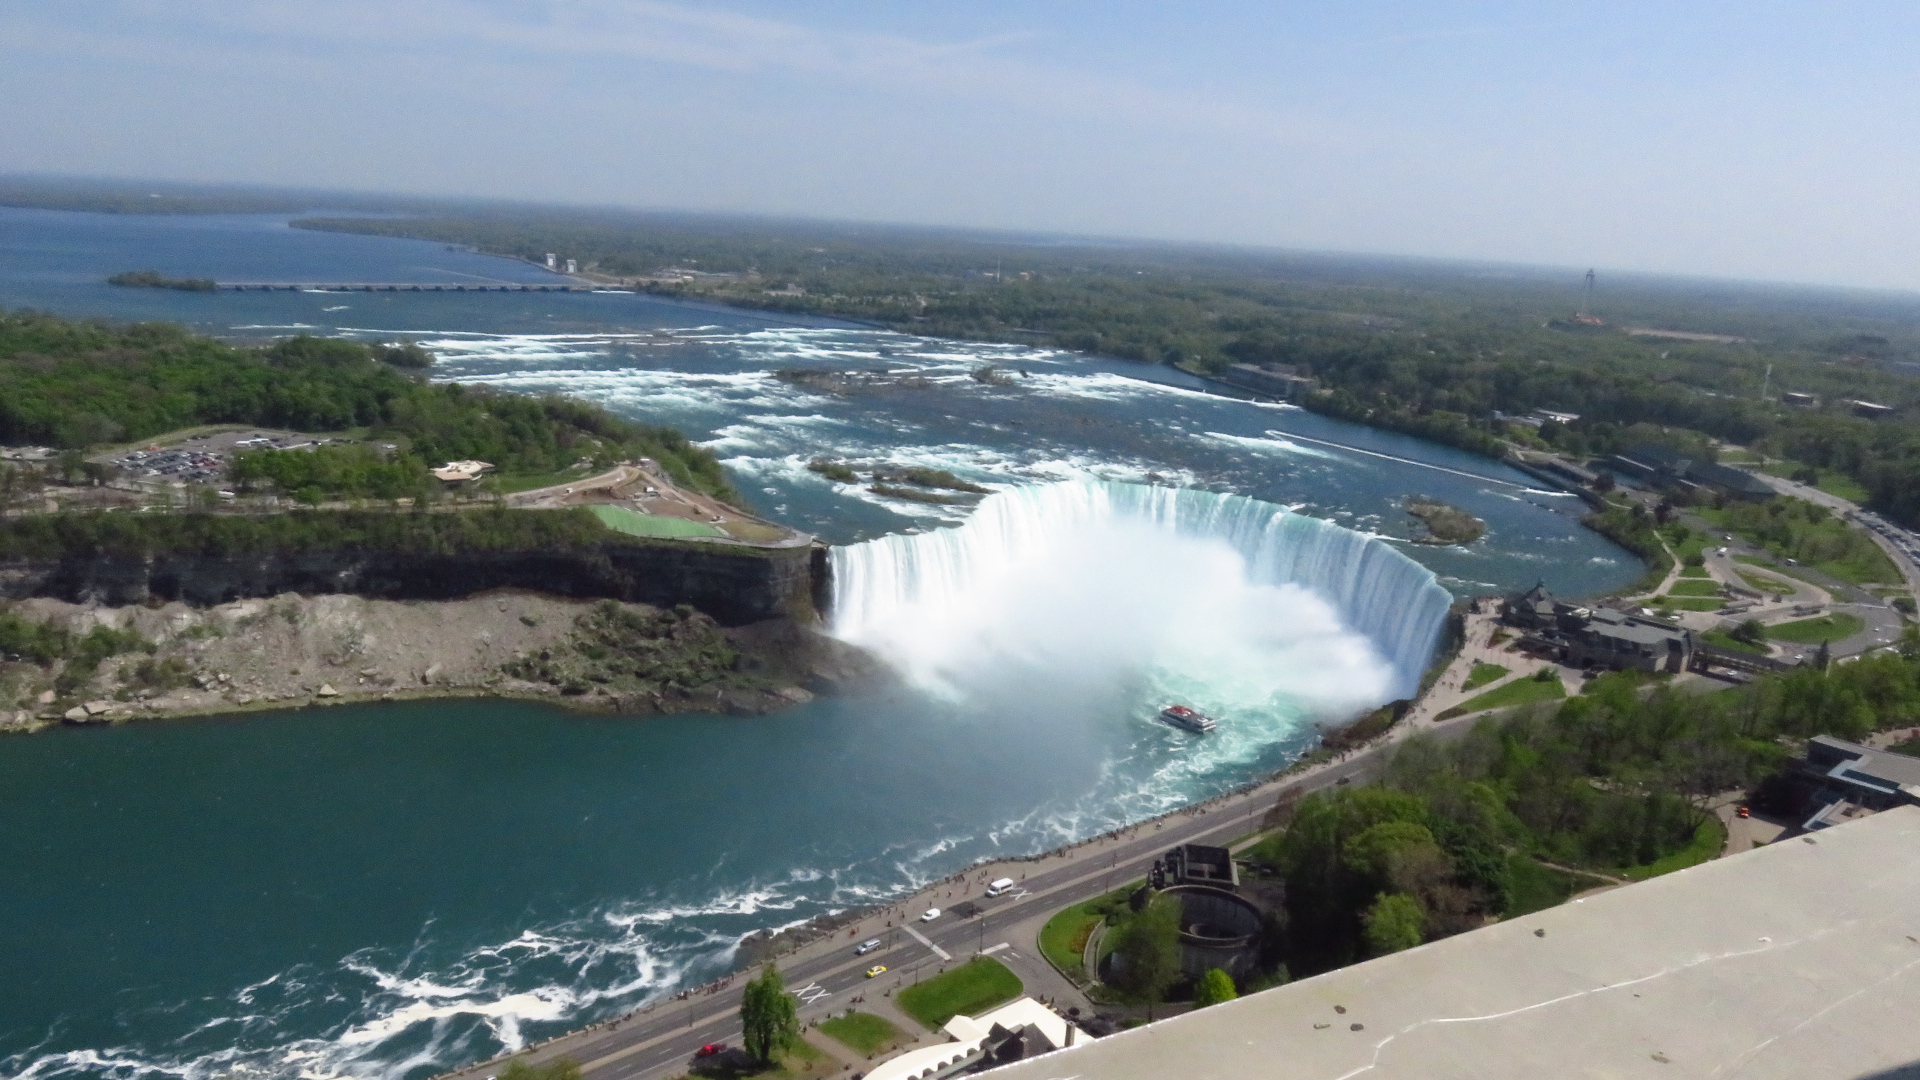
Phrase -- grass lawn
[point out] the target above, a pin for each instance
(1689, 603)
(1519, 692)
(1766, 584)
(1688, 587)
(799, 1060)
(1064, 939)
(1533, 887)
(1709, 839)
(620, 519)
(1723, 640)
(1814, 631)
(508, 485)
(1693, 572)
(1482, 674)
(864, 1033)
(972, 988)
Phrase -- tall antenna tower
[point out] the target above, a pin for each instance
(1586, 303)
(1766, 384)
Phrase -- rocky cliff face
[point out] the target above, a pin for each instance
(735, 586)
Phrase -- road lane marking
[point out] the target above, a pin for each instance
(922, 939)
(995, 949)
(811, 993)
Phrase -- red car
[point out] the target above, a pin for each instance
(709, 1050)
(1744, 812)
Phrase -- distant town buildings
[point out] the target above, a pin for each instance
(1799, 400)
(552, 260)
(573, 266)
(1869, 410)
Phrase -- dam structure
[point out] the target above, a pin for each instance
(1373, 589)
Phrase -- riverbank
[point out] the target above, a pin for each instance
(289, 651)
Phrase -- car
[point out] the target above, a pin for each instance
(932, 914)
(1744, 812)
(710, 1049)
(876, 971)
(866, 947)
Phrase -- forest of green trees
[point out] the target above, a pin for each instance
(67, 383)
(1614, 781)
(1428, 349)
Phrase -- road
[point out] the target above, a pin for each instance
(660, 1041)
(1909, 569)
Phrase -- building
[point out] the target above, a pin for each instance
(1013, 1032)
(456, 472)
(1199, 864)
(1282, 381)
(1676, 471)
(1868, 409)
(552, 260)
(1562, 418)
(1598, 637)
(1794, 961)
(1799, 400)
(573, 266)
(1844, 780)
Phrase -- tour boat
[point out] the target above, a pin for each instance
(1182, 717)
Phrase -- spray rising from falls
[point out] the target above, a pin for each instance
(1153, 593)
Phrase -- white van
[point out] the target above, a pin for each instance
(1004, 885)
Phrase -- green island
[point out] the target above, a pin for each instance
(154, 279)
(1445, 524)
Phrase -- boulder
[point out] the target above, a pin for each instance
(77, 714)
(95, 708)
(327, 690)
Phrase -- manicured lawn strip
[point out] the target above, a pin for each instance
(620, 519)
(1724, 640)
(864, 1033)
(1063, 940)
(1518, 692)
(1814, 631)
(1693, 572)
(508, 485)
(798, 1060)
(971, 988)
(1775, 568)
(1483, 674)
(1689, 603)
(1695, 588)
(1709, 839)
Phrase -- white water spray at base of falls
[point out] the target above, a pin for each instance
(1054, 597)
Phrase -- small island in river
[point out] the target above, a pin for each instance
(154, 279)
(1446, 525)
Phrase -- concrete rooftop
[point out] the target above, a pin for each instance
(1799, 960)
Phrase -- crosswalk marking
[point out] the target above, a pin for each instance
(811, 993)
(996, 948)
(922, 939)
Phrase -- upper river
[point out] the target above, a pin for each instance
(391, 890)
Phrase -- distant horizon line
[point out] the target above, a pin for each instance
(396, 201)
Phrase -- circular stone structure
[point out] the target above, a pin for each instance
(1217, 930)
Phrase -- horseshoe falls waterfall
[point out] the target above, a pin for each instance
(1056, 597)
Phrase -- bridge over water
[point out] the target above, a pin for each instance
(399, 286)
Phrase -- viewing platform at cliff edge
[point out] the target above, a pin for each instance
(400, 286)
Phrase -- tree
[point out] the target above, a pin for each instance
(1393, 923)
(769, 1019)
(1148, 950)
(564, 1068)
(1215, 987)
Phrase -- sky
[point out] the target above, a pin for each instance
(1759, 139)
